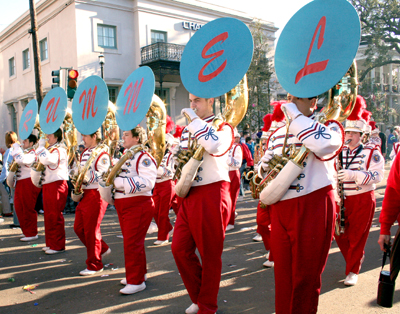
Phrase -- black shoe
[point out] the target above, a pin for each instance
(15, 226)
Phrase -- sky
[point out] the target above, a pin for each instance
(277, 11)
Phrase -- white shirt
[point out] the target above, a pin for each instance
(235, 157)
(55, 160)
(166, 169)
(24, 160)
(98, 167)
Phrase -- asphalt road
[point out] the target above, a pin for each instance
(246, 286)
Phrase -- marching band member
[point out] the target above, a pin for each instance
(163, 193)
(271, 123)
(204, 212)
(135, 208)
(375, 139)
(234, 162)
(366, 116)
(25, 192)
(305, 212)
(176, 200)
(362, 169)
(394, 152)
(55, 190)
(91, 208)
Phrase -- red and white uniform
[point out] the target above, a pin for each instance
(375, 140)
(91, 209)
(135, 209)
(367, 163)
(302, 222)
(394, 152)
(25, 192)
(162, 196)
(235, 157)
(55, 193)
(204, 215)
(391, 201)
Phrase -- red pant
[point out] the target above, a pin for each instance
(135, 214)
(234, 176)
(264, 227)
(358, 218)
(162, 197)
(54, 198)
(88, 216)
(202, 219)
(24, 203)
(176, 203)
(301, 235)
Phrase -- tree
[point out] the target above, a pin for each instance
(380, 23)
(258, 77)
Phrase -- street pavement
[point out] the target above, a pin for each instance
(246, 286)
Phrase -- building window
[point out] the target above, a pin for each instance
(106, 36)
(158, 37)
(113, 93)
(25, 59)
(11, 66)
(43, 49)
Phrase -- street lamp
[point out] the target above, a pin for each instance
(102, 61)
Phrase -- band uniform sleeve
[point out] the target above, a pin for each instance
(214, 142)
(318, 138)
(166, 167)
(235, 157)
(146, 178)
(391, 201)
(26, 159)
(375, 171)
(47, 158)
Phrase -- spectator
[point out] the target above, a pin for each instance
(250, 145)
(390, 141)
(247, 163)
(383, 147)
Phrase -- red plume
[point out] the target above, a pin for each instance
(359, 107)
(170, 125)
(278, 114)
(267, 122)
(372, 124)
(366, 115)
(178, 131)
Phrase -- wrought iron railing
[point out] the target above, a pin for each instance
(161, 51)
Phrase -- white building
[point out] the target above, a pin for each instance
(130, 33)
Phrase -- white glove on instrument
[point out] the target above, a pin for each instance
(42, 142)
(119, 183)
(292, 110)
(346, 175)
(190, 112)
(269, 154)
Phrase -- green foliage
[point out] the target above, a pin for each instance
(380, 23)
(258, 77)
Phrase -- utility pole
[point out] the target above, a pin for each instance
(36, 59)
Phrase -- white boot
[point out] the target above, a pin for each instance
(351, 279)
(87, 272)
(27, 239)
(131, 289)
(193, 309)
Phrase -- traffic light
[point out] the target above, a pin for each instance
(56, 78)
(72, 82)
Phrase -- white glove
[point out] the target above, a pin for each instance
(292, 110)
(119, 183)
(16, 149)
(269, 154)
(190, 112)
(346, 175)
(42, 142)
(86, 178)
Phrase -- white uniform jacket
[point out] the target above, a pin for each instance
(235, 157)
(55, 160)
(166, 169)
(395, 150)
(323, 141)
(216, 144)
(96, 170)
(24, 159)
(368, 166)
(375, 141)
(139, 174)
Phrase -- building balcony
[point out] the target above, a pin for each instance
(162, 56)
